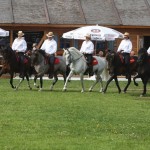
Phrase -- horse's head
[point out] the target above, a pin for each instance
(6, 51)
(67, 55)
(110, 56)
(34, 57)
(142, 56)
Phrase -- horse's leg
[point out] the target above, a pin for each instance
(41, 83)
(98, 79)
(82, 84)
(11, 80)
(107, 83)
(69, 76)
(54, 82)
(129, 81)
(35, 78)
(28, 81)
(117, 84)
(144, 80)
(21, 80)
(134, 79)
(2, 71)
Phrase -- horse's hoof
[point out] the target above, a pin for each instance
(141, 95)
(124, 92)
(82, 91)
(40, 90)
(90, 90)
(64, 90)
(101, 91)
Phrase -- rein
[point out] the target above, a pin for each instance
(74, 60)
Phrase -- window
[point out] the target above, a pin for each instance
(65, 43)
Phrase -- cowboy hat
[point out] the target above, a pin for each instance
(126, 34)
(88, 35)
(50, 34)
(20, 33)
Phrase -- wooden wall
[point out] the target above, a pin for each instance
(136, 32)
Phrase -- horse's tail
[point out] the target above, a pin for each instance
(105, 74)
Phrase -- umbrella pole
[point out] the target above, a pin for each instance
(95, 48)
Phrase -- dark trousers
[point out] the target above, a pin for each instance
(21, 63)
(127, 62)
(51, 62)
(89, 58)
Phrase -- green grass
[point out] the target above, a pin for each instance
(32, 120)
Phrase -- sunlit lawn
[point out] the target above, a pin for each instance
(32, 120)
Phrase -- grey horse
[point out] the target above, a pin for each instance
(42, 67)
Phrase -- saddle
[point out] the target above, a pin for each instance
(94, 61)
(132, 59)
(25, 59)
(56, 61)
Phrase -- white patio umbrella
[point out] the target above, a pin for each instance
(3, 33)
(98, 33)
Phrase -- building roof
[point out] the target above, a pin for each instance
(102, 12)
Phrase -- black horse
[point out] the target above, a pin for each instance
(143, 68)
(11, 65)
(116, 67)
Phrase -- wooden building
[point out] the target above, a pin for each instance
(37, 17)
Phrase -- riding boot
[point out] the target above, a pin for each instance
(21, 71)
(128, 73)
(91, 70)
(51, 71)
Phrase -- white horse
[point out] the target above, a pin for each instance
(78, 65)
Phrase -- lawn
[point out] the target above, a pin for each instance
(32, 120)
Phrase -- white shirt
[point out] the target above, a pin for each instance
(148, 51)
(19, 44)
(87, 47)
(125, 45)
(49, 46)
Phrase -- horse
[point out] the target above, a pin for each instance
(143, 69)
(42, 67)
(116, 66)
(11, 65)
(78, 65)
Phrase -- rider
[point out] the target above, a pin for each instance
(87, 49)
(19, 46)
(50, 47)
(125, 48)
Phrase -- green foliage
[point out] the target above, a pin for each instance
(56, 120)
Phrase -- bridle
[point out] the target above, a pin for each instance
(71, 58)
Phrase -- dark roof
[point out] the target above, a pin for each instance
(102, 12)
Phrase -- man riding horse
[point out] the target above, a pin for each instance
(50, 48)
(125, 48)
(87, 49)
(20, 46)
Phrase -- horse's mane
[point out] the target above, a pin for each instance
(8, 52)
(41, 52)
(75, 51)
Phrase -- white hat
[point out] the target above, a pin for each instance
(20, 33)
(126, 34)
(88, 35)
(50, 34)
